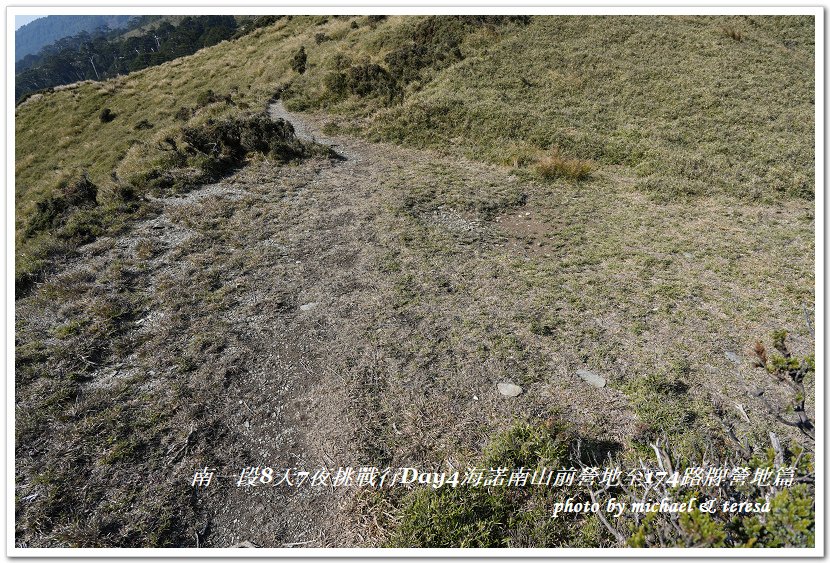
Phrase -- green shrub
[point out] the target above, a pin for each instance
(79, 191)
(496, 516)
(435, 43)
(82, 227)
(72, 193)
(791, 521)
(205, 98)
(183, 114)
(364, 80)
(231, 139)
(205, 151)
(341, 61)
(298, 61)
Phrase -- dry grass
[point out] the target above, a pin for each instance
(555, 165)
(398, 363)
(732, 33)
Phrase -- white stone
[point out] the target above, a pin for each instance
(591, 378)
(509, 390)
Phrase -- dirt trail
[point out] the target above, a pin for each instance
(285, 413)
(354, 311)
(343, 396)
(376, 407)
(335, 312)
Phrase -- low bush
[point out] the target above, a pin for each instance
(364, 80)
(299, 60)
(498, 515)
(206, 150)
(51, 212)
(183, 114)
(491, 516)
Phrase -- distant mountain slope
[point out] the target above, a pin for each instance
(33, 36)
(100, 56)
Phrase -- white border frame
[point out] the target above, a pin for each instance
(648, 7)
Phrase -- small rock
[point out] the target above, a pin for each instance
(308, 306)
(733, 357)
(475, 397)
(591, 378)
(510, 390)
(247, 425)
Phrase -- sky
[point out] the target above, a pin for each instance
(23, 20)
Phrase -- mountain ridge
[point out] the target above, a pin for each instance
(37, 34)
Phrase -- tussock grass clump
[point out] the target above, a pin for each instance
(143, 125)
(555, 165)
(732, 33)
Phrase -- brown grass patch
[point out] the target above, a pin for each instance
(555, 165)
(732, 33)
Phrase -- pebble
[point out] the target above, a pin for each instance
(308, 306)
(591, 378)
(733, 357)
(509, 390)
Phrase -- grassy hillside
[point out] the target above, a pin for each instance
(691, 105)
(687, 105)
(629, 195)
